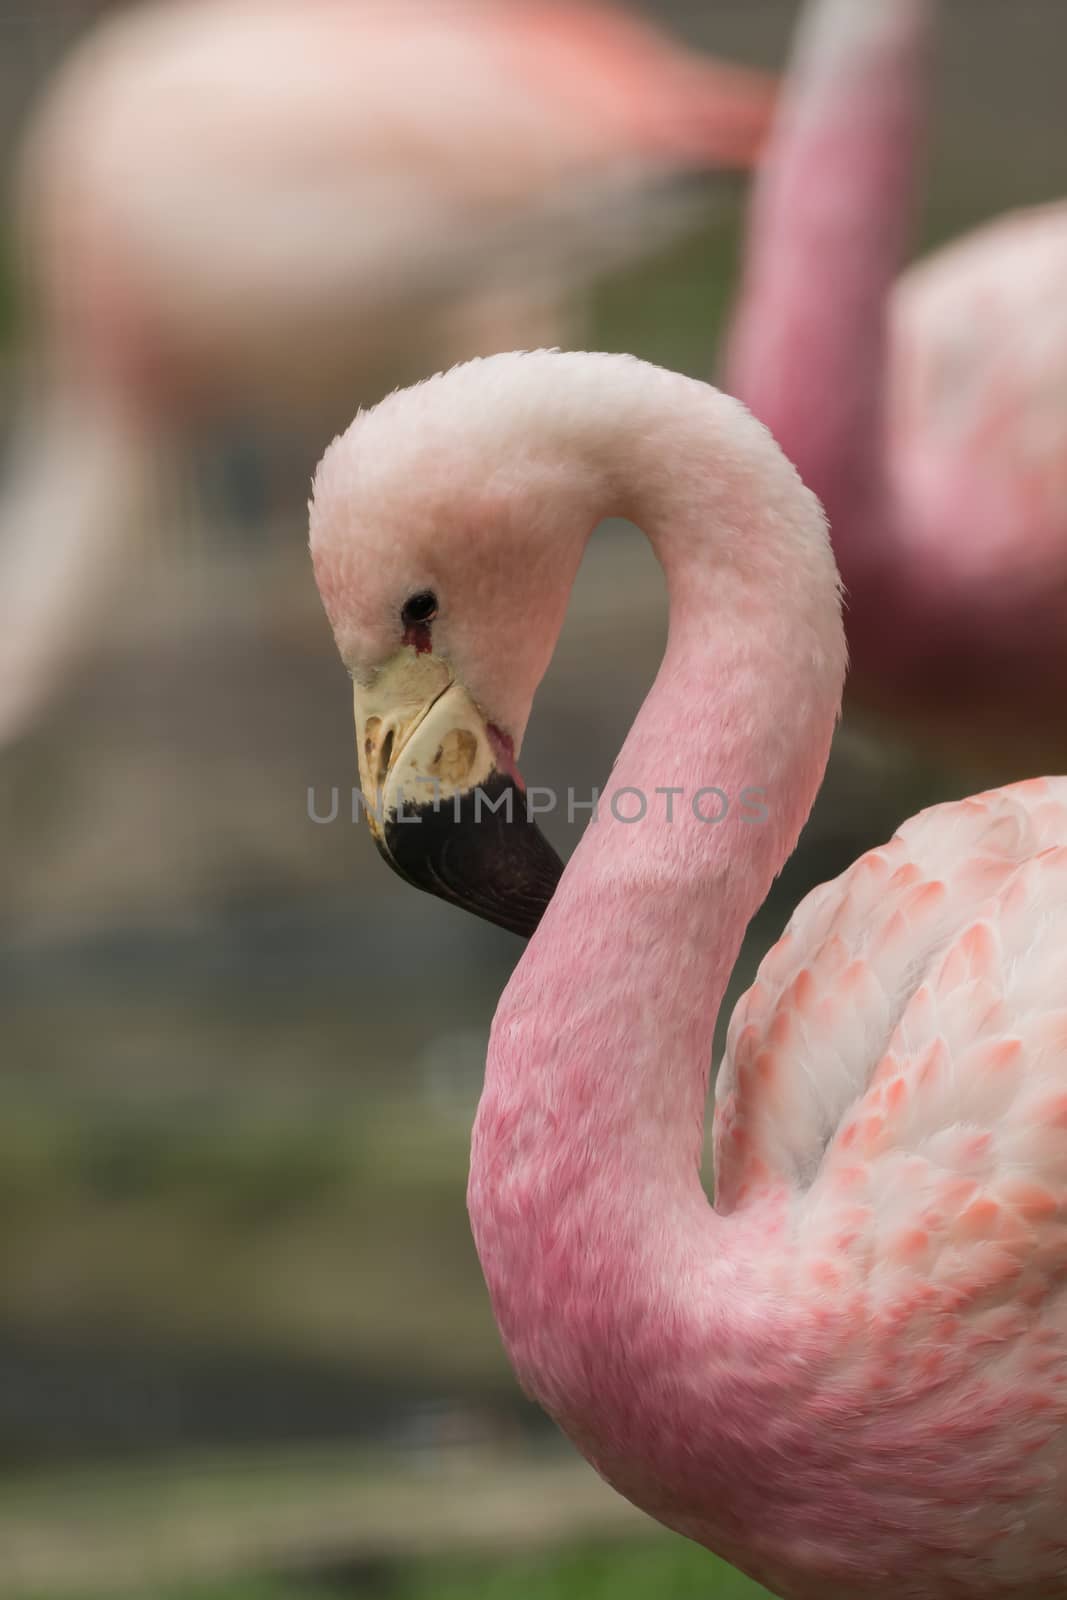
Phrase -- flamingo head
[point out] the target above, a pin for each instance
(447, 525)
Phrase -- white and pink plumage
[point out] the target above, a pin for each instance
(929, 413)
(260, 208)
(849, 1376)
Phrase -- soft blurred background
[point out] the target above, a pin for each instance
(244, 1344)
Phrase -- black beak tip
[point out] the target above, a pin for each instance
(479, 850)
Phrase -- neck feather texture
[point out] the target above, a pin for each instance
(608, 1269)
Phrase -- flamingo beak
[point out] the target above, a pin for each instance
(445, 804)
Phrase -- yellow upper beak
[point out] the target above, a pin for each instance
(441, 812)
(420, 738)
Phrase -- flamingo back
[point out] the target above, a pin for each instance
(891, 1132)
(905, 1042)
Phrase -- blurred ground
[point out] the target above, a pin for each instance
(232, 1151)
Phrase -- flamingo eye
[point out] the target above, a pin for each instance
(419, 609)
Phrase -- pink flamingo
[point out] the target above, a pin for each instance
(849, 1377)
(252, 206)
(929, 414)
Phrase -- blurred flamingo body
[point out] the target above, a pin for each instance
(850, 1376)
(255, 207)
(929, 413)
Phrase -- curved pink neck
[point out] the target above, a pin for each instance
(828, 230)
(607, 1268)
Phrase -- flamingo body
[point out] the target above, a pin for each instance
(225, 198)
(977, 409)
(849, 1375)
(965, 635)
(259, 208)
(889, 1118)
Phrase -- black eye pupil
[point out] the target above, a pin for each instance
(420, 607)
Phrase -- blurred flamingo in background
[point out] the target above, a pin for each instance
(261, 207)
(929, 414)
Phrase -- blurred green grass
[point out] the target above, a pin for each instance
(336, 1230)
(671, 308)
(376, 1524)
(665, 1567)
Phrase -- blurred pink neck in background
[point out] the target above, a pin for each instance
(829, 225)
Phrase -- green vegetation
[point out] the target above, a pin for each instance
(244, 1588)
(672, 308)
(663, 1567)
(324, 1228)
(467, 1524)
